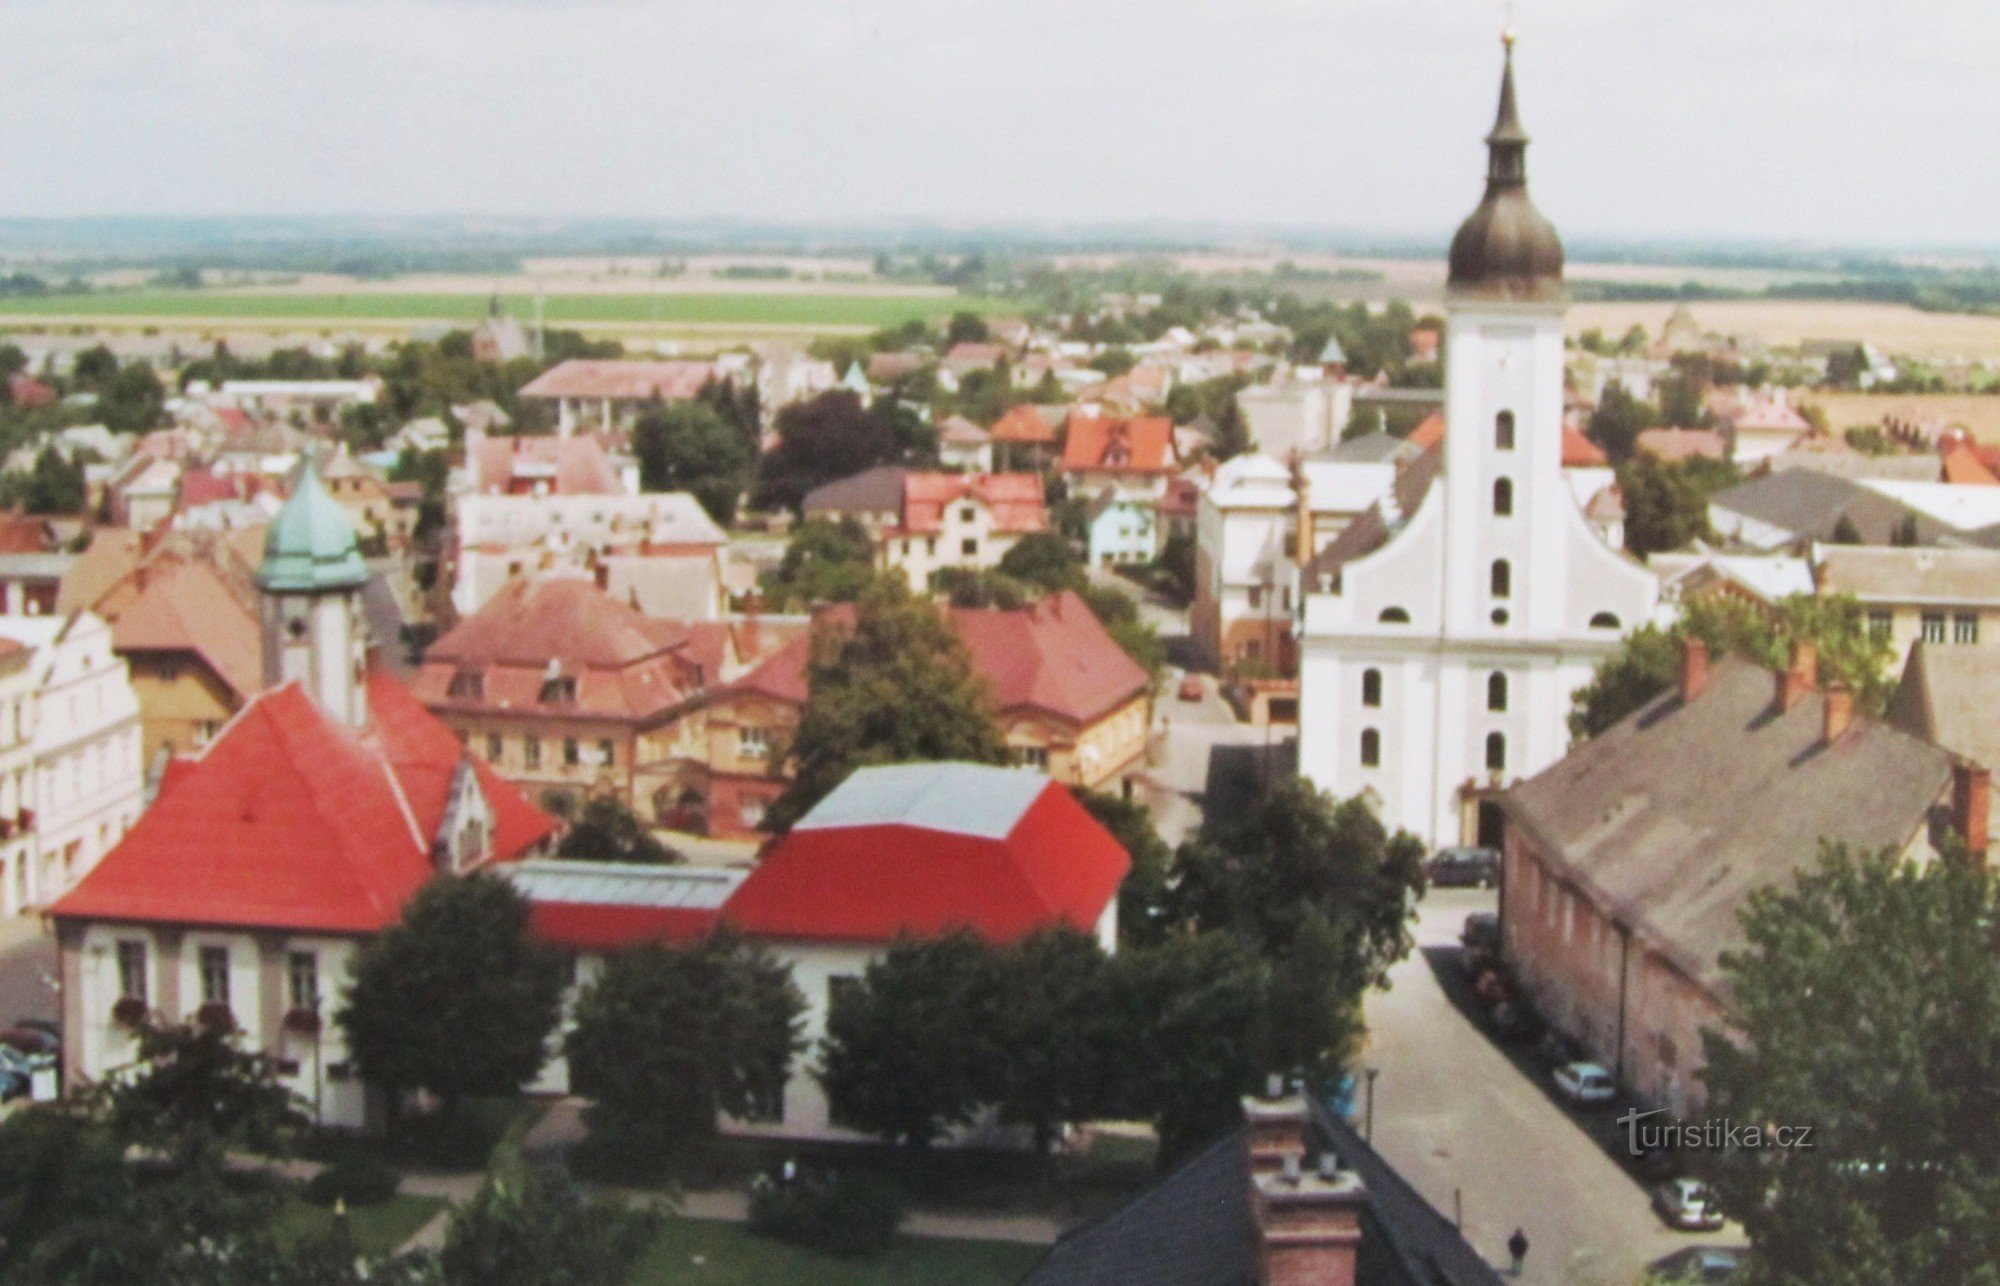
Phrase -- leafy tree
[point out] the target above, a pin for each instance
(965, 328)
(1044, 560)
(1262, 873)
(194, 1091)
(911, 1048)
(1114, 361)
(1056, 1049)
(1616, 422)
(455, 999)
(689, 446)
(1142, 897)
(895, 686)
(825, 562)
(538, 1229)
(1681, 403)
(1666, 505)
(833, 436)
(1866, 1004)
(980, 587)
(666, 1039)
(1232, 432)
(1649, 660)
(607, 831)
(1312, 1012)
(1845, 368)
(55, 485)
(1175, 566)
(62, 1168)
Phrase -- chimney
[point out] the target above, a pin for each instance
(1308, 1219)
(1797, 678)
(1839, 711)
(1302, 533)
(1971, 802)
(1694, 668)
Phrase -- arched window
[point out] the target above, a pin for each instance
(1394, 616)
(1503, 430)
(1371, 688)
(1496, 691)
(1503, 497)
(1496, 752)
(1604, 621)
(1371, 748)
(1502, 578)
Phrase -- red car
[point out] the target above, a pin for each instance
(1190, 689)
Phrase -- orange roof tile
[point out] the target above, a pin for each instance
(1104, 444)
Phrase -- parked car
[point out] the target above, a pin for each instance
(1687, 1204)
(1464, 868)
(1585, 1083)
(1190, 689)
(1703, 1265)
(1481, 932)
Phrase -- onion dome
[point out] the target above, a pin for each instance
(1505, 249)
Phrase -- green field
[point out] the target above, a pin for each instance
(806, 310)
(728, 1254)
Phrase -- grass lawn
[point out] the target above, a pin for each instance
(377, 1230)
(731, 1255)
(878, 311)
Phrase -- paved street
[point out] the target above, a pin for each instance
(1452, 1111)
(27, 970)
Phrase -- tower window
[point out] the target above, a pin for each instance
(1502, 579)
(1496, 752)
(1371, 688)
(1503, 497)
(1503, 431)
(1371, 748)
(1394, 616)
(1604, 621)
(1496, 691)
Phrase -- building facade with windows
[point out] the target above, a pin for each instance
(1443, 632)
(1940, 597)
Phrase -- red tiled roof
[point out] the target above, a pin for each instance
(25, 390)
(292, 820)
(1016, 499)
(564, 466)
(874, 882)
(1579, 452)
(590, 926)
(178, 604)
(201, 487)
(1023, 424)
(1964, 466)
(1053, 656)
(1682, 444)
(1429, 431)
(621, 380)
(1105, 444)
(23, 534)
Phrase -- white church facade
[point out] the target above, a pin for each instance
(1442, 635)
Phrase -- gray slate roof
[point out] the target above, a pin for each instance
(1810, 503)
(1669, 819)
(1950, 694)
(1878, 573)
(873, 490)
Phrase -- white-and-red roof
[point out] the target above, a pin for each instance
(1016, 500)
(1105, 444)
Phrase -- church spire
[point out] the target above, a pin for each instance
(1506, 248)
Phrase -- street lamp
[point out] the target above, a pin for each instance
(1368, 1131)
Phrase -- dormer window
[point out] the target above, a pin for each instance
(559, 690)
(467, 685)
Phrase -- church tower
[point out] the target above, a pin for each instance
(1442, 635)
(311, 577)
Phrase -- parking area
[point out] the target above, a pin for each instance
(1477, 1128)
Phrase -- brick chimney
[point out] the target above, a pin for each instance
(1971, 800)
(1308, 1218)
(1798, 678)
(1839, 712)
(1694, 668)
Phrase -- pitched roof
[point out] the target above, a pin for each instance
(1106, 444)
(600, 906)
(876, 490)
(1579, 452)
(1674, 445)
(622, 380)
(956, 430)
(182, 604)
(1016, 500)
(1903, 574)
(1964, 467)
(1023, 424)
(292, 820)
(929, 848)
(1429, 431)
(310, 545)
(1191, 1228)
(1672, 817)
(1052, 656)
(565, 466)
(1807, 502)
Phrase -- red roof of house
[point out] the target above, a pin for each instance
(174, 602)
(292, 820)
(24, 534)
(1053, 656)
(1016, 500)
(1104, 444)
(1964, 466)
(1023, 423)
(621, 380)
(590, 926)
(1675, 445)
(1579, 452)
(926, 849)
(1429, 431)
(25, 390)
(562, 466)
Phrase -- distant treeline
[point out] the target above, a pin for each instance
(1932, 292)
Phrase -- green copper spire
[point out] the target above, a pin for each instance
(311, 545)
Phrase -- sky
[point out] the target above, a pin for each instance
(1817, 121)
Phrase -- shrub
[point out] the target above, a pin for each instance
(841, 1214)
(355, 1178)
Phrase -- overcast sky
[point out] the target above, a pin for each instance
(1831, 120)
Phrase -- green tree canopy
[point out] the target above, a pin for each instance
(825, 562)
(194, 1091)
(1666, 504)
(1142, 898)
(1865, 1003)
(537, 1228)
(689, 446)
(894, 686)
(1647, 663)
(607, 831)
(455, 999)
(666, 1039)
(834, 436)
(1616, 422)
